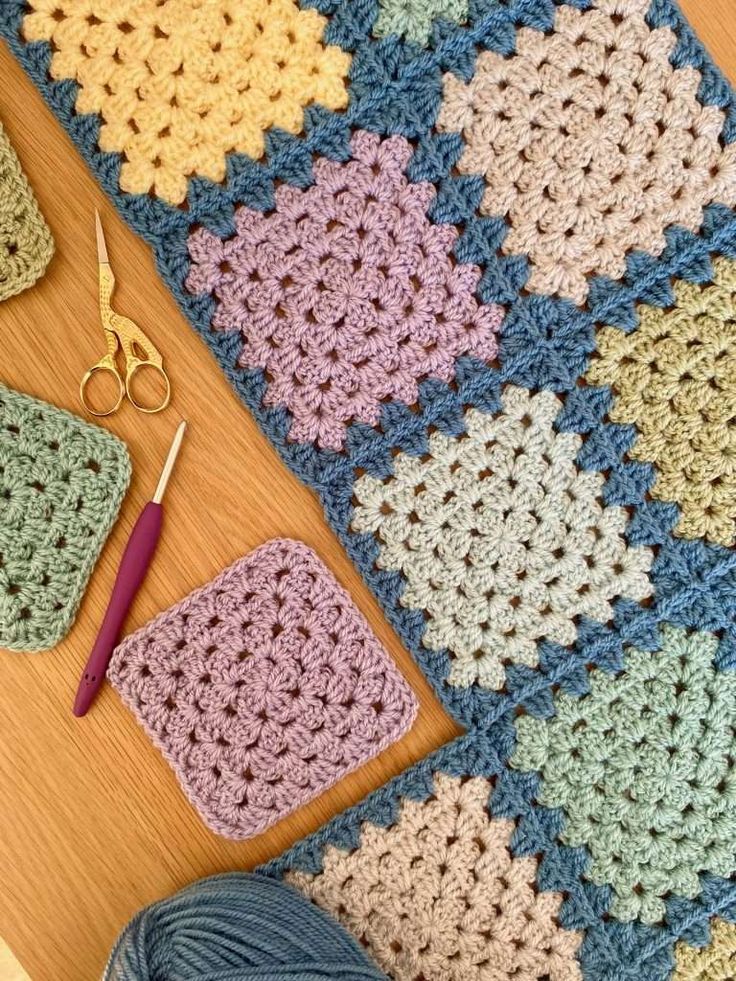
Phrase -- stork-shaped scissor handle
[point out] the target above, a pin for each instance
(121, 335)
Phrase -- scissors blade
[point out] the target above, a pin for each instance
(101, 245)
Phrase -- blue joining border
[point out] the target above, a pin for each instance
(610, 950)
(545, 343)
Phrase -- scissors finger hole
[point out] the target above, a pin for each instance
(102, 391)
(148, 387)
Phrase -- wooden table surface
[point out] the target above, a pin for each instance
(92, 823)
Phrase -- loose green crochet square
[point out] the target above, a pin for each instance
(61, 484)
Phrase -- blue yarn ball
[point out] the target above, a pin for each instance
(237, 927)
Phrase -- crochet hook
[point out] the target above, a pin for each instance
(131, 573)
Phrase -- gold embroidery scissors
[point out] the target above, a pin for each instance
(121, 334)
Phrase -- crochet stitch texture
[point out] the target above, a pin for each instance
(643, 767)
(496, 205)
(62, 481)
(438, 894)
(414, 19)
(590, 141)
(263, 688)
(179, 85)
(346, 296)
(501, 540)
(675, 379)
(716, 962)
(26, 245)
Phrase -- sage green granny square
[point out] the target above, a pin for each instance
(61, 484)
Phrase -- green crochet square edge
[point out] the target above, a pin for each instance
(101, 437)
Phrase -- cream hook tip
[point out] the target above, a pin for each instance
(170, 461)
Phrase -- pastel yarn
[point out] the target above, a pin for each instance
(714, 961)
(675, 379)
(439, 894)
(590, 142)
(263, 688)
(62, 481)
(347, 295)
(180, 84)
(414, 19)
(26, 245)
(501, 540)
(237, 927)
(644, 769)
(477, 292)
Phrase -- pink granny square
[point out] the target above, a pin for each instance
(263, 688)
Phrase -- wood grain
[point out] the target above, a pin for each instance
(92, 824)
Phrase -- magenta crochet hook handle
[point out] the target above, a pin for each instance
(133, 566)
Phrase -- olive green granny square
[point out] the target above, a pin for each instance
(61, 484)
(26, 245)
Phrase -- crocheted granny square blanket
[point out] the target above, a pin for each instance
(472, 266)
(263, 688)
(62, 481)
(26, 245)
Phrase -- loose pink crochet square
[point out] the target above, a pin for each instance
(263, 688)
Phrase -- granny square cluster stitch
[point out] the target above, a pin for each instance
(263, 688)
(501, 540)
(438, 894)
(675, 380)
(26, 245)
(347, 295)
(591, 141)
(471, 264)
(179, 85)
(62, 481)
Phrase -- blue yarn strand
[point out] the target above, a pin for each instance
(237, 927)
